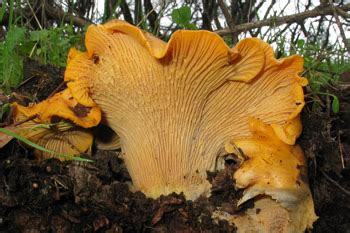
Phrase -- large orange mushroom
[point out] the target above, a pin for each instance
(180, 107)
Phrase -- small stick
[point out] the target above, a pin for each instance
(347, 192)
(342, 33)
(25, 81)
(25, 120)
(57, 89)
(229, 19)
(340, 146)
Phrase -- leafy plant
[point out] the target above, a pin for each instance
(49, 46)
(322, 74)
(182, 17)
(11, 61)
(322, 67)
(3, 9)
(52, 45)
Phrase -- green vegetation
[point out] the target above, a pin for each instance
(182, 17)
(48, 46)
(51, 46)
(323, 67)
(11, 58)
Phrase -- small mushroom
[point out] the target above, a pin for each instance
(277, 172)
(55, 134)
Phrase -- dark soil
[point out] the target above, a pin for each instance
(54, 196)
(326, 142)
(39, 81)
(71, 197)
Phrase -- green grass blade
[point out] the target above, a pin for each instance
(36, 146)
(3, 9)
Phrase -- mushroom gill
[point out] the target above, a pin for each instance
(175, 104)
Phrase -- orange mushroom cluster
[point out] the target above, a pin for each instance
(180, 107)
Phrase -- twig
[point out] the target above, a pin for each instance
(145, 17)
(341, 148)
(335, 183)
(277, 21)
(228, 18)
(343, 13)
(152, 15)
(26, 81)
(57, 89)
(267, 12)
(328, 111)
(342, 33)
(58, 14)
(249, 10)
(36, 18)
(25, 120)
